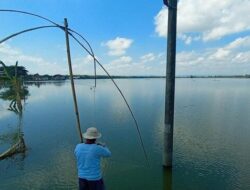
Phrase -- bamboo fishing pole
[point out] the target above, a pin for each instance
(71, 79)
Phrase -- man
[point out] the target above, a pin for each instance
(88, 157)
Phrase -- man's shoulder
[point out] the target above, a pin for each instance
(103, 149)
(79, 146)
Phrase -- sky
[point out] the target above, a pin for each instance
(129, 37)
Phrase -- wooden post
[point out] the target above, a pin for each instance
(72, 80)
(170, 83)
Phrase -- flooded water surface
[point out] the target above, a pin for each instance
(211, 135)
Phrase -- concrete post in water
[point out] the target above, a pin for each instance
(170, 83)
(71, 79)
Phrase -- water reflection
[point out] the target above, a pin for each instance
(167, 178)
(211, 135)
(15, 92)
(42, 83)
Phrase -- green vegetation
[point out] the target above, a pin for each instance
(23, 73)
(13, 90)
(16, 91)
(7, 72)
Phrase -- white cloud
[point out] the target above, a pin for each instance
(83, 65)
(188, 39)
(88, 59)
(135, 69)
(148, 64)
(231, 59)
(34, 64)
(118, 46)
(240, 43)
(7, 50)
(148, 58)
(122, 60)
(161, 22)
(211, 19)
(221, 54)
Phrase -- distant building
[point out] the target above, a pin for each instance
(76, 77)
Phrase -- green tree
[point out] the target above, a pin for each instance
(15, 93)
(7, 72)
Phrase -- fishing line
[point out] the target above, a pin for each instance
(125, 100)
(92, 88)
(90, 52)
(117, 87)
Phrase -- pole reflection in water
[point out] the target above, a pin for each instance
(167, 178)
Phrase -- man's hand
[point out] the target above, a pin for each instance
(101, 144)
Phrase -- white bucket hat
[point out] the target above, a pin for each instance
(92, 133)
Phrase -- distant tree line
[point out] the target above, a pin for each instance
(23, 72)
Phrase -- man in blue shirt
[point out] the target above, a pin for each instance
(88, 156)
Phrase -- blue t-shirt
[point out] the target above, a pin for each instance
(88, 160)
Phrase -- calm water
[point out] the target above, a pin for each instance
(211, 135)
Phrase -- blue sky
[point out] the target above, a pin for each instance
(130, 38)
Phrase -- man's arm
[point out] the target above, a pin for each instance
(104, 151)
